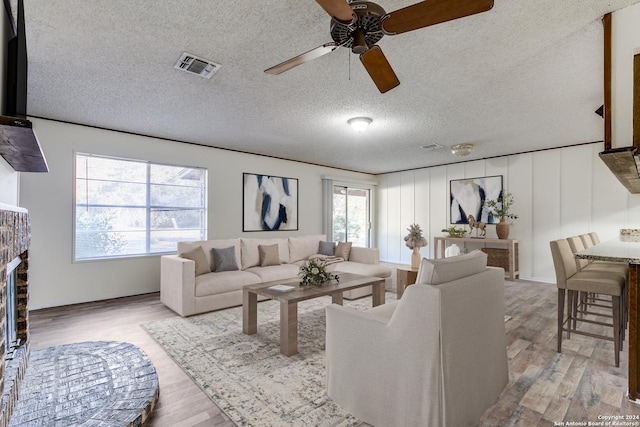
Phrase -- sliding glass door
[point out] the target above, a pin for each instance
(351, 217)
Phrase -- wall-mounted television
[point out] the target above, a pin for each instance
(15, 101)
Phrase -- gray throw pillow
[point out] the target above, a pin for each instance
(327, 248)
(198, 256)
(224, 259)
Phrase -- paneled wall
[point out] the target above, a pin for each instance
(558, 193)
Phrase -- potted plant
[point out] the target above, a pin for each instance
(501, 208)
(454, 231)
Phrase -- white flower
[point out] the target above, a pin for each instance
(315, 270)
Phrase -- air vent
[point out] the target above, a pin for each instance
(200, 66)
(431, 147)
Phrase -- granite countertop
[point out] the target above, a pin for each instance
(625, 248)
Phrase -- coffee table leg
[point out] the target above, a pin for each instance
(249, 312)
(288, 328)
(377, 292)
(337, 298)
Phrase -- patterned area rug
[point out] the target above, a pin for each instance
(246, 376)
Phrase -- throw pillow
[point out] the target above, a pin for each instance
(327, 248)
(268, 255)
(343, 250)
(438, 271)
(224, 259)
(198, 256)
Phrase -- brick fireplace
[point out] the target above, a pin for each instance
(14, 243)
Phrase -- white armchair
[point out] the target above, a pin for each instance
(437, 357)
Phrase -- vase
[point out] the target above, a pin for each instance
(502, 229)
(415, 258)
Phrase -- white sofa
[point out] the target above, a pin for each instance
(187, 293)
(436, 357)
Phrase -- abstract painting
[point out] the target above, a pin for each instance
(270, 203)
(467, 197)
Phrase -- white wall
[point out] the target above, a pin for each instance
(558, 193)
(55, 280)
(625, 40)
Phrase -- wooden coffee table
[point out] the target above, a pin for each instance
(289, 303)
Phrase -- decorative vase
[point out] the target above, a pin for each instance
(502, 229)
(415, 257)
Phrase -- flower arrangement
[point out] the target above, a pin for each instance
(314, 273)
(414, 239)
(501, 207)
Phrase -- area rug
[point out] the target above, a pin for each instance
(246, 376)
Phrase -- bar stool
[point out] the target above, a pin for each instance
(612, 268)
(570, 282)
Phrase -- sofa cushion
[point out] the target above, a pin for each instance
(226, 281)
(437, 271)
(224, 259)
(371, 270)
(300, 248)
(251, 256)
(327, 248)
(268, 255)
(198, 256)
(343, 249)
(276, 272)
(207, 245)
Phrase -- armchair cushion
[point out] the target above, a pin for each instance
(198, 256)
(437, 271)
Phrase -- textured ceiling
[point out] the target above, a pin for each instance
(525, 75)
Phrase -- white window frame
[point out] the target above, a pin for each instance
(328, 204)
(148, 207)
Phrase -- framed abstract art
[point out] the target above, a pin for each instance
(270, 203)
(467, 197)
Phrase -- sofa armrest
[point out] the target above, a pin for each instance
(178, 284)
(364, 255)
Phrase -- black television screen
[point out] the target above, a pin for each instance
(15, 102)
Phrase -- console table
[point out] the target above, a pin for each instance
(512, 266)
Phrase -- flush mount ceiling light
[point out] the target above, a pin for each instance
(360, 124)
(461, 150)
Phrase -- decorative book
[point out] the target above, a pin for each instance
(282, 288)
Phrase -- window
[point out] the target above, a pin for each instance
(129, 207)
(351, 222)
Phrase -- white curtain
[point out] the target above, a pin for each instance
(327, 208)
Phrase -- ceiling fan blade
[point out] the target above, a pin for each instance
(338, 9)
(301, 59)
(379, 69)
(431, 12)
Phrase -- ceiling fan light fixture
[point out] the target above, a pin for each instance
(360, 124)
(461, 150)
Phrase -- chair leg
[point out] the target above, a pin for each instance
(617, 329)
(561, 298)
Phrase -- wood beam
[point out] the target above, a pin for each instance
(636, 102)
(606, 21)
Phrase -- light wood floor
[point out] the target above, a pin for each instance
(580, 384)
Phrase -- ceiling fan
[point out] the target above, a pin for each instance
(359, 25)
